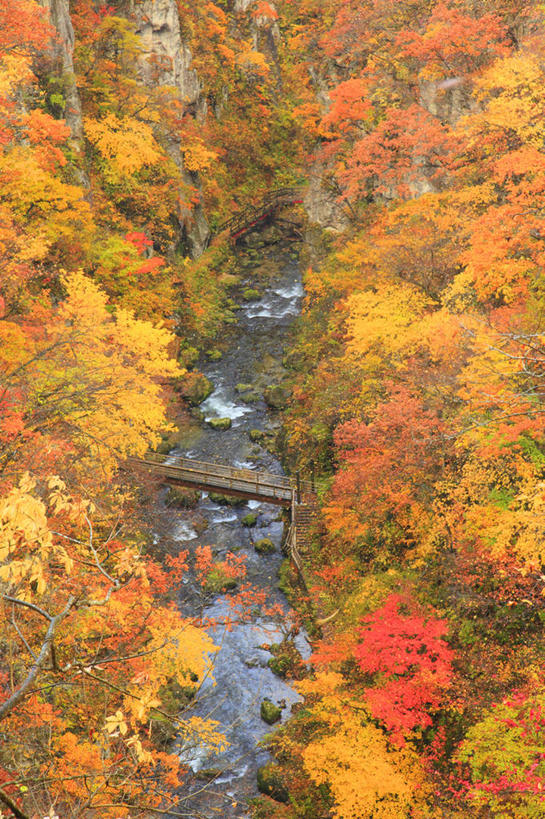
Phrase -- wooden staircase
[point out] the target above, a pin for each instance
(255, 214)
(306, 516)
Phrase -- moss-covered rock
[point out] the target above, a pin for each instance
(250, 519)
(188, 357)
(164, 447)
(276, 396)
(181, 498)
(279, 665)
(229, 279)
(218, 581)
(256, 435)
(194, 387)
(226, 500)
(269, 782)
(270, 712)
(264, 546)
(286, 660)
(214, 355)
(220, 423)
(208, 774)
(248, 393)
(251, 397)
(251, 294)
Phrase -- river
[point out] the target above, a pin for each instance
(253, 349)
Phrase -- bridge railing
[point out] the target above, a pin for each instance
(228, 477)
(224, 470)
(252, 213)
(221, 477)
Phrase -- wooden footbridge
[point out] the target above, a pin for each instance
(293, 493)
(255, 214)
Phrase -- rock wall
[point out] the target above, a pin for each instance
(321, 202)
(62, 50)
(158, 26)
(166, 60)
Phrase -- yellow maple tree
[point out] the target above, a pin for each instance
(92, 375)
(366, 775)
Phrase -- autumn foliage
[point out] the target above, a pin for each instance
(418, 396)
(100, 288)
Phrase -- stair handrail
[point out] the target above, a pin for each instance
(269, 201)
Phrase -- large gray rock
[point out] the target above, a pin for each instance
(62, 51)
(166, 60)
(321, 202)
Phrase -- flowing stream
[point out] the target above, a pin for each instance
(253, 350)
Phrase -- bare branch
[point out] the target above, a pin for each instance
(22, 637)
(27, 605)
(44, 654)
(9, 803)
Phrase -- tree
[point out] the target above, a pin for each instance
(412, 661)
(352, 757)
(503, 753)
(93, 654)
(86, 384)
(388, 470)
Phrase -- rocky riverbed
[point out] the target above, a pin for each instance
(249, 369)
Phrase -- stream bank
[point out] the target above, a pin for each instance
(250, 367)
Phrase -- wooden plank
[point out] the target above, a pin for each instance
(223, 480)
(246, 494)
(201, 468)
(245, 483)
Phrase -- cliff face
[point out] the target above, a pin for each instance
(158, 26)
(62, 50)
(166, 60)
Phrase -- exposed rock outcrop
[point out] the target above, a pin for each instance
(62, 50)
(166, 61)
(166, 58)
(321, 202)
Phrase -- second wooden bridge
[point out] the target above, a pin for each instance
(254, 215)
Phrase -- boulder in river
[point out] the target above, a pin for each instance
(270, 712)
(195, 387)
(218, 581)
(277, 396)
(250, 519)
(182, 498)
(251, 396)
(264, 546)
(220, 423)
(226, 500)
(188, 357)
(251, 294)
(269, 782)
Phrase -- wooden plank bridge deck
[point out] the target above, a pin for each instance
(292, 493)
(222, 478)
(254, 214)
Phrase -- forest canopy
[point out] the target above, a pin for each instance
(413, 131)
